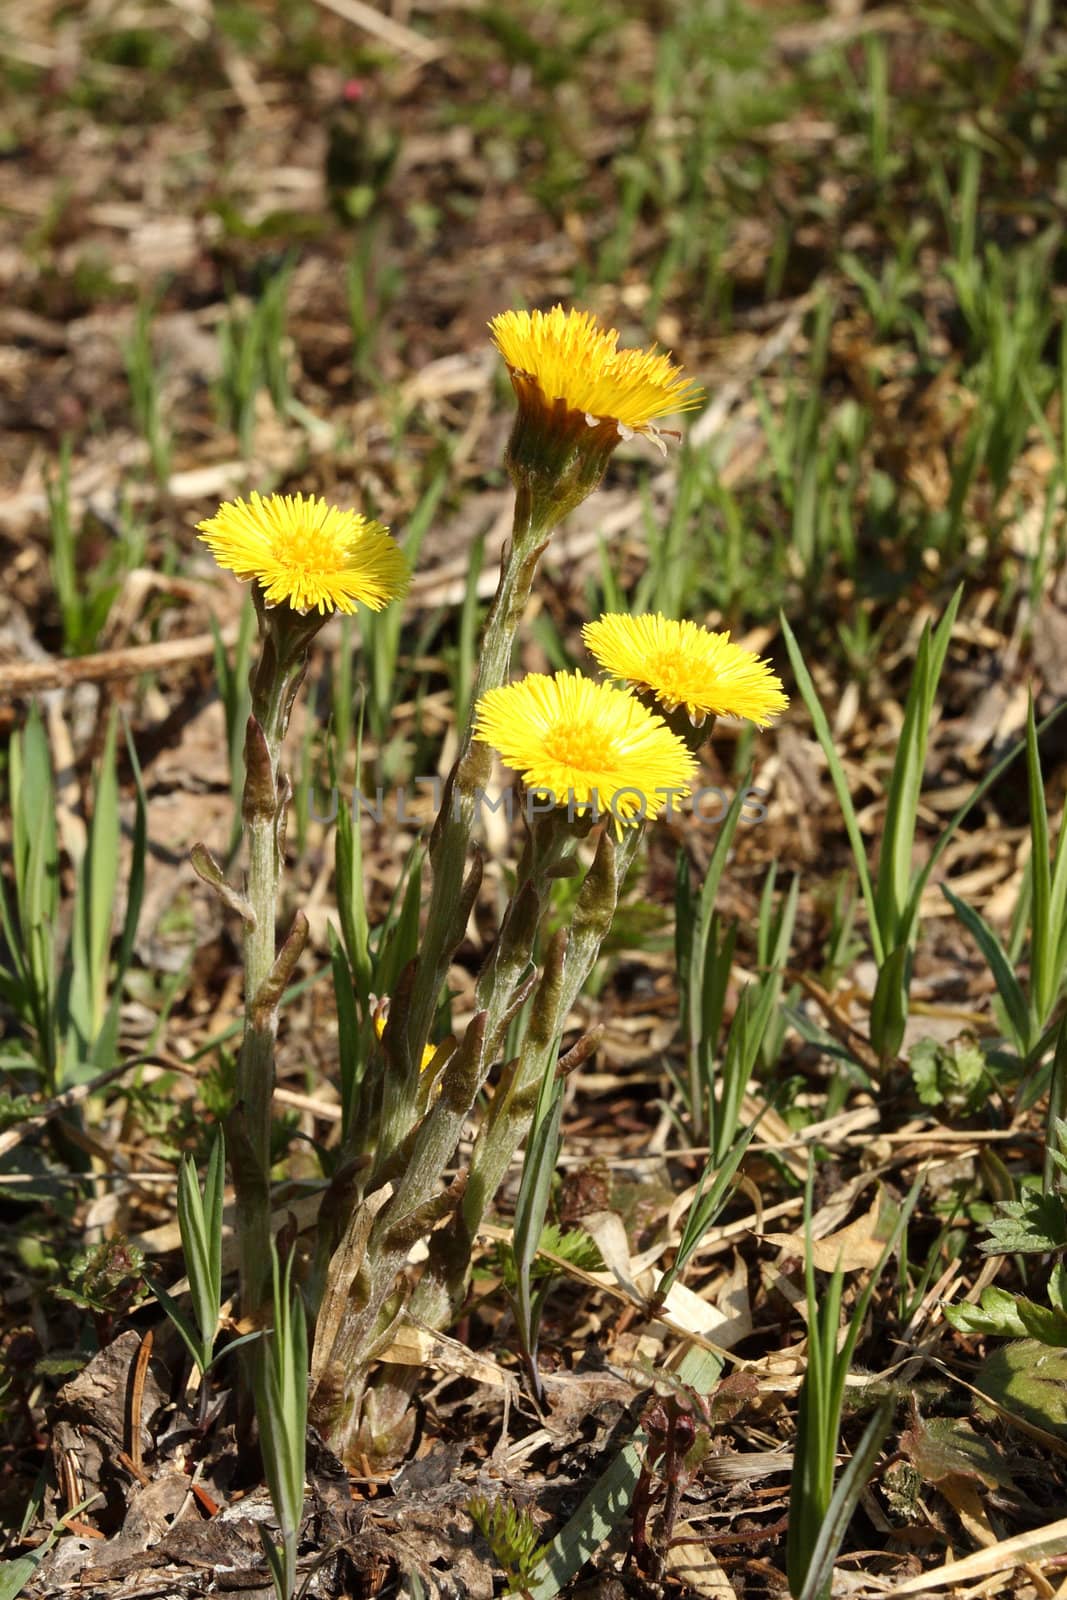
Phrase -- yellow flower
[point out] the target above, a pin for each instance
(381, 1016)
(588, 746)
(570, 357)
(578, 395)
(307, 554)
(686, 665)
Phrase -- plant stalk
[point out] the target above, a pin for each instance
(386, 1236)
(441, 1290)
(285, 637)
(450, 842)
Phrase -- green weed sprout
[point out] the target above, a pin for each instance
(511, 1535)
(252, 353)
(819, 1515)
(200, 1225)
(531, 1208)
(143, 377)
(280, 1388)
(1027, 1014)
(893, 897)
(85, 593)
(60, 991)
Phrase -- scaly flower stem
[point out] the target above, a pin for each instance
(418, 1199)
(450, 843)
(285, 638)
(549, 846)
(442, 1287)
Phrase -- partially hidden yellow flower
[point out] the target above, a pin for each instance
(589, 747)
(381, 1016)
(307, 554)
(570, 357)
(684, 665)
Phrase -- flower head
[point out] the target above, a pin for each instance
(578, 396)
(307, 554)
(570, 357)
(684, 665)
(590, 747)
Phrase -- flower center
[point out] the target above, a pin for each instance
(308, 549)
(577, 745)
(673, 676)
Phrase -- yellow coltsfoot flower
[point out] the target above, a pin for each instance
(307, 554)
(684, 666)
(381, 1017)
(592, 749)
(578, 396)
(570, 357)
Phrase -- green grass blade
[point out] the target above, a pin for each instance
(960, 816)
(106, 1042)
(843, 1503)
(183, 1326)
(839, 780)
(893, 892)
(351, 905)
(531, 1208)
(1043, 937)
(1008, 986)
(91, 930)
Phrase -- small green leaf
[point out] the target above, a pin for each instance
(998, 1314)
(1036, 1223)
(1043, 1322)
(954, 1075)
(1029, 1379)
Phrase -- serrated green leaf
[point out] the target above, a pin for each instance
(997, 1314)
(1043, 1322)
(1036, 1223)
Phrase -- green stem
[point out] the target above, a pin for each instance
(441, 1289)
(285, 638)
(407, 1214)
(450, 843)
(551, 843)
